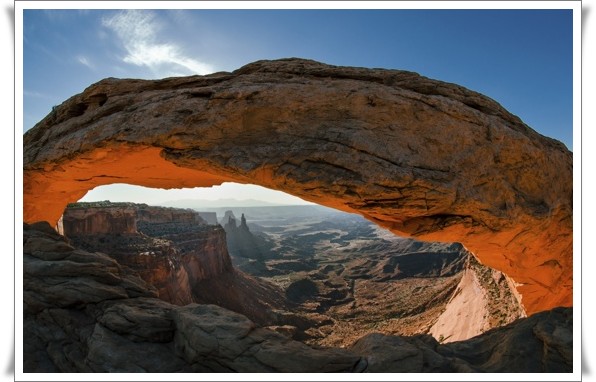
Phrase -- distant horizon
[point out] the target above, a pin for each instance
(229, 202)
(220, 203)
(211, 197)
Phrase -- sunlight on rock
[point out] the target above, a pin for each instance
(226, 273)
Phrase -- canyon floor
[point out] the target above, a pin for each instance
(353, 277)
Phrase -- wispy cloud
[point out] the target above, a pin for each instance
(138, 32)
(83, 60)
(30, 93)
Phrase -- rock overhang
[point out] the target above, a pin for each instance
(421, 157)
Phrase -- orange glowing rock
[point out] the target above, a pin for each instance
(421, 157)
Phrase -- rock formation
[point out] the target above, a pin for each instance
(170, 248)
(242, 244)
(83, 312)
(91, 218)
(421, 157)
(209, 217)
(483, 299)
(178, 254)
(88, 219)
(226, 219)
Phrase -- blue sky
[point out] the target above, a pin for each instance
(520, 58)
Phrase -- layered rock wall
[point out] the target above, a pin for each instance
(172, 249)
(155, 215)
(89, 218)
(91, 221)
(214, 259)
(421, 157)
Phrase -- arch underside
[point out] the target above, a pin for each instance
(417, 156)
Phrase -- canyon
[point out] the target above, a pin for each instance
(84, 312)
(176, 252)
(186, 260)
(363, 278)
(133, 287)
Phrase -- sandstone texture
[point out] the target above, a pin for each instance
(176, 252)
(421, 157)
(83, 312)
(170, 248)
(483, 299)
(115, 219)
(92, 218)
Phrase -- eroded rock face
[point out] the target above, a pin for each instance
(177, 253)
(83, 312)
(483, 299)
(121, 218)
(242, 244)
(170, 248)
(91, 221)
(418, 156)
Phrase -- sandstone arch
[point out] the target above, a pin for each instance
(418, 156)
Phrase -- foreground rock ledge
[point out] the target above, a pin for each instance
(84, 312)
(421, 157)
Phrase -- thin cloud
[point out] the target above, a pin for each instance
(83, 60)
(137, 30)
(30, 93)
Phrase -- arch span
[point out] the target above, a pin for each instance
(421, 157)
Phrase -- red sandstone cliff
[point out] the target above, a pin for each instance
(109, 220)
(170, 248)
(174, 251)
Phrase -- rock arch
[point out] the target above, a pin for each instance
(421, 157)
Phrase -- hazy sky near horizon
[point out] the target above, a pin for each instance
(520, 58)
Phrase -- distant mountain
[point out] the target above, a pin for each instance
(275, 212)
(201, 203)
